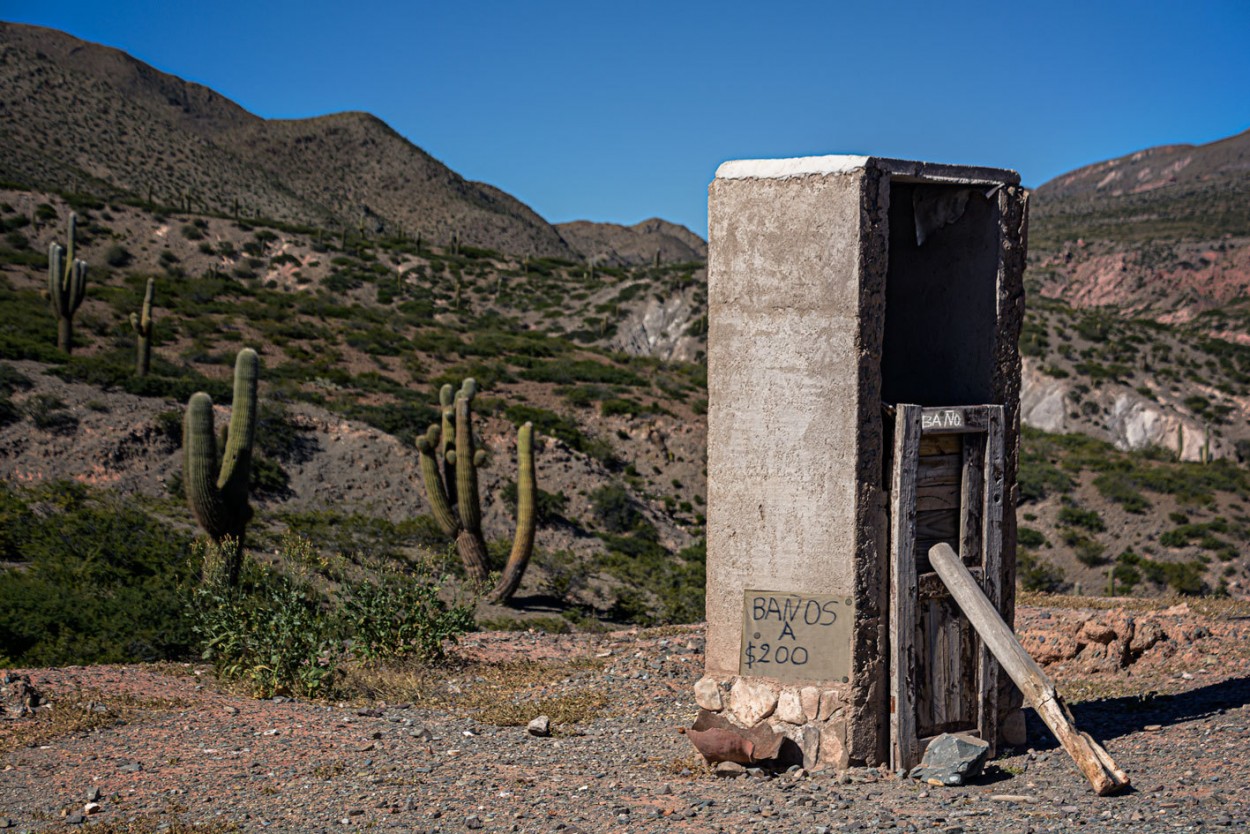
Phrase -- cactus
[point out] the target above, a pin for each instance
(142, 324)
(526, 518)
(218, 496)
(455, 484)
(67, 286)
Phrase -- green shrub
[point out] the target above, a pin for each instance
(1085, 519)
(1120, 487)
(402, 616)
(1028, 537)
(1036, 574)
(99, 583)
(615, 509)
(269, 632)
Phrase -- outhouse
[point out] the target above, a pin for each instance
(864, 381)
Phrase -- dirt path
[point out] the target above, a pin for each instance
(189, 750)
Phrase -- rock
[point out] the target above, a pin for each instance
(75, 819)
(91, 808)
(809, 697)
(790, 708)
(473, 822)
(1013, 730)
(94, 795)
(828, 703)
(952, 759)
(809, 743)
(752, 701)
(540, 726)
(132, 767)
(1048, 647)
(1146, 636)
(833, 746)
(232, 710)
(707, 695)
(729, 769)
(5, 822)
(18, 696)
(1096, 632)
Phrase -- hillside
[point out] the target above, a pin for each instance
(80, 117)
(615, 245)
(1162, 233)
(1138, 417)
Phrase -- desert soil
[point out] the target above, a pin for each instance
(177, 746)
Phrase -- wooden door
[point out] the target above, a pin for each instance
(947, 487)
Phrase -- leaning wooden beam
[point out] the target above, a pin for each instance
(1090, 757)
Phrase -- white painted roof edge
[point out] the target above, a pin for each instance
(799, 166)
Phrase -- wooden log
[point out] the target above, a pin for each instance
(1095, 762)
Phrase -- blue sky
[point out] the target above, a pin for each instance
(622, 111)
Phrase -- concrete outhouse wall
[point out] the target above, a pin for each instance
(799, 253)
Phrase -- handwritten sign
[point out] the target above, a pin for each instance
(796, 637)
(941, 418)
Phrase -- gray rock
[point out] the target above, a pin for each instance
(729, 769)
(952, 759)
(540, 726)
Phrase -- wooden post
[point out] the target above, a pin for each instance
(907, 430)
(1097, 765)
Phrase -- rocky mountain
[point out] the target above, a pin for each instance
(641, 243)
(80, 117)
(1162, 233)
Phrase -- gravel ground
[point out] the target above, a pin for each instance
(176, 747)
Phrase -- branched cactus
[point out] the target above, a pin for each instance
(67, 286)
(142, 324)
(454, 484)
(217, 486)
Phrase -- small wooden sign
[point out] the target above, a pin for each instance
(939, 419)
(796, 637)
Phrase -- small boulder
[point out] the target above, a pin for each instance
(752, 701)
(790, 707)
(540, 726)
(952, 759)
(707, 695)
(1093, 631)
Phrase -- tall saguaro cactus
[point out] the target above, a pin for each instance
(454, 484)
(67, 285)
(216, 476)
(142, 324)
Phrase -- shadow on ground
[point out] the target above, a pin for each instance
(1115, 717)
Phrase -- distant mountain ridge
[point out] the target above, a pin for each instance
(1163, 232)
(615, 245)
(77, 116)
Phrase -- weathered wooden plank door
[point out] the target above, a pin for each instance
(947, 486)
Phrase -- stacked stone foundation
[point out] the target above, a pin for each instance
(812, 718)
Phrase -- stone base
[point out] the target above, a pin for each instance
(812, 717)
